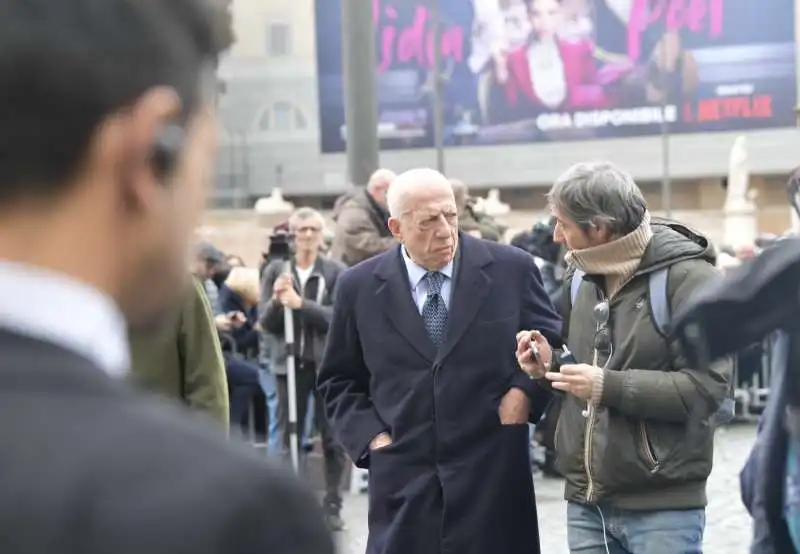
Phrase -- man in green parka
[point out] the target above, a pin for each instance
(184, 360)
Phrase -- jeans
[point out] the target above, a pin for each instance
(606, 530)
(243, 379)
(267, 380)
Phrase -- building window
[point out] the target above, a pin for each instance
(281, 117)
(278, 40)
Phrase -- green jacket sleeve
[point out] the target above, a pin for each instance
(205, 385)
(489, 230)
(671, 395)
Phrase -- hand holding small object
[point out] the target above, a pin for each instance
(534, 354)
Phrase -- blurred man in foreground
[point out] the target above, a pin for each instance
(360, 217)
(421, 385)
(108, 133)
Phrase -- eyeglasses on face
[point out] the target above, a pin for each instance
(428, 221)
(307, 229)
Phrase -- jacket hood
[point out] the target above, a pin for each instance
(673, 242)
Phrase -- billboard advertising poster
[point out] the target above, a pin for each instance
(517, 71)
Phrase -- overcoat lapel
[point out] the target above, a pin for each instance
(394, 298)
(470, 288)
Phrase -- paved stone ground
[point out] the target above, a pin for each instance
(727, 523)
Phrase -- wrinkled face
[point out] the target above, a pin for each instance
(571, 234)
(159, 214)
(307, 234)
(428, 226)
(545, 16)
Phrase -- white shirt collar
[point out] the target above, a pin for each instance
(52, 307)
(417, 272)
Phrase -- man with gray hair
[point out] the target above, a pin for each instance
(634, 482)
(360, 216)
(421, 384)
(307, 290)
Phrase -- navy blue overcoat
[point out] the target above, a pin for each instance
(454, 480)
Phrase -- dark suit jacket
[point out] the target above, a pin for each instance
(89, 467)
(450, 454)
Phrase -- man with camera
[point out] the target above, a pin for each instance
(307, 290)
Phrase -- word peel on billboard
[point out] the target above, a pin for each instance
(550, 70)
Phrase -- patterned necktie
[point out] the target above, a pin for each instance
(434, 311)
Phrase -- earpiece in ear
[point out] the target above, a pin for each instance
(167, 148)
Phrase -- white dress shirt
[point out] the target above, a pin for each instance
(54, 308)
(419, 288)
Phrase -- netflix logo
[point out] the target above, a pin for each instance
(757, 106)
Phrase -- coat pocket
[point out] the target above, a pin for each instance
(623, 456)
(568, 440)
(646, 448)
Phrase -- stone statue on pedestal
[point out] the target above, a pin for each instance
(739, 223)
(492, 205)
(273, 204)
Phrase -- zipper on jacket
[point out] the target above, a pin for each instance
(587, 442)
(647, 449)
(587, 435)
(587, 453)
(302, 292)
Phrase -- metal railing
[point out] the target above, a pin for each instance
(752, 384)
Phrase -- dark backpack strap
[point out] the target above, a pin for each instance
(658, 293)
(661, 310)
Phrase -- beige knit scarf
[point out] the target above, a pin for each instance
(617, 260)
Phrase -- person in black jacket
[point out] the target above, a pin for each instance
(307, 290)
(762, 297)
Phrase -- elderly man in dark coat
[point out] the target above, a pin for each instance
(421, 384)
